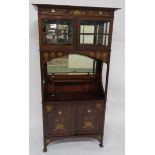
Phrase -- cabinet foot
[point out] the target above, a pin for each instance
(45, 149)
(101, 145)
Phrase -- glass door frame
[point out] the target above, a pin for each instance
(94, 47)
(56, 46)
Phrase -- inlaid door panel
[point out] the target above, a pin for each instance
(90, 117)
(59, 119)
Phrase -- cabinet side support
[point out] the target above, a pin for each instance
(44, 128)
(107, 78)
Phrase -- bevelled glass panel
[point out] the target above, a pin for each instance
(57, 31)
(94, 32)
(71, 64)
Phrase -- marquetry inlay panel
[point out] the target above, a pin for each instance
(88, 120)
(59, 121)
(99, 55)
(75, 12)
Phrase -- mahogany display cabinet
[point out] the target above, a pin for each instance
(75, 47)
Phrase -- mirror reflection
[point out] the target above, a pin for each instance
(72, 64)
(57, 31)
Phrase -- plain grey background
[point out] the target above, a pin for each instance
(114, 138)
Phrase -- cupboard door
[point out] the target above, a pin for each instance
(59, 119)
(90, 117)
(94, 34)
(57, 33)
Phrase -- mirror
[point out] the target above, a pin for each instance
(94, 32)
(57, 31)
(72, 64)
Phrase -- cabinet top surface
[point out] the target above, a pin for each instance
(74, 7)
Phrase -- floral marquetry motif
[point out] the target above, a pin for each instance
(92, 54)
(52, 55)
(49, 108)
(99, 106)
(59, 126)
(59, 54)
(100, 13)
(98, 55)
(88, 120)
(47, 56)
(59, 121)
(103, 56)
(76, 12)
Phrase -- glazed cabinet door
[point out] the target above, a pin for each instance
(95, 34)
(56, 33)
(59, 119)
(90, 117)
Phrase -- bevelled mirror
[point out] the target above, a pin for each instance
(72, 64)
(57, 31)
